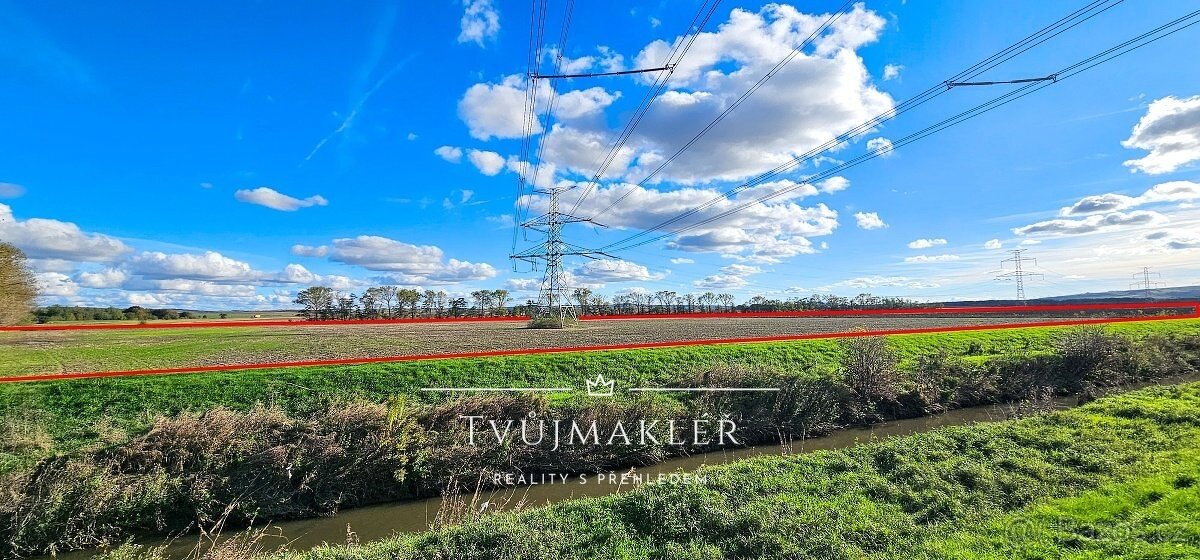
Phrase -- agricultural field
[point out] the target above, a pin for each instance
(143, 455)
(39, 352)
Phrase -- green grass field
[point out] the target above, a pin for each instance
(79, 412)
(1114, 479)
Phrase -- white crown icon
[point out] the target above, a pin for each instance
(605, 386)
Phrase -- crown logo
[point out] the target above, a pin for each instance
(600, 387)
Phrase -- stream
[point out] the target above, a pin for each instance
(384, 520)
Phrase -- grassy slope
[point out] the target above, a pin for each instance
(70, 410)
(1115, 478)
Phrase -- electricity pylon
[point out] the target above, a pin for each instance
(554, 297)
(1018, 274)
(1146, 283)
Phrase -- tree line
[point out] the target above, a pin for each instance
(392, 302)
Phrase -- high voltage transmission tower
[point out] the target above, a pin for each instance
(554, 299)
(1018, 273)
(1145, 283)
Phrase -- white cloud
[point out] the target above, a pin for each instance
(925, 243)
(931, 258)
(892, 71)
(210, 265)
(480, 22)
(869, 220)
(881, 145)
(310, 251)
(833, 184)
(682, 260)
(55, 284)
(51, 239)
(523, 284)
(408, 263)
(497, 110)
(11, 190)
(275, 200)
(766, 232)
(503, 221)
(816, 97)
(731, 277)
(488, 163)
(992, 244)
(610, 270)
(1170, 131)
(449, 153)
(581, 103)
(877, 281)
(107, 278)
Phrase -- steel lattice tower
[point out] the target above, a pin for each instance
(1146, 283)
(554, 300)
(1018, 274)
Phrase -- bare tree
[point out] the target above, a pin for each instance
(18, 289)
(501, 298)
(582, 295)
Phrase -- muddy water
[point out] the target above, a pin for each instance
(376, 522)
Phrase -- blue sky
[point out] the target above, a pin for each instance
(228, 155)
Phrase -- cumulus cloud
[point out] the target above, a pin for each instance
(869, 220)
(682, 260)
(107, 278)
(11, 190)
(766, 232)
(56, 284)
(210, 265)
(1173, 191)
(992, 244)
(614, 270)
(51, 239)
(925, 243)
(449, 153)
(310, 251)
(488, 163)
(497, 110)
(275, 200)
(731, 277)
(881, 145)
(480, 22)
(931, 258)
(1170, 131)
(817, 96)
(407, 263)
(892, 71)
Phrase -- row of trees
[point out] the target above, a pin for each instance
(392, 302)
(75, 313)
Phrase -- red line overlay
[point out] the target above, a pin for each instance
(566, 349)
(1028, 309)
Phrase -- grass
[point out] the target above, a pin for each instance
(71, 410)
(1113, 479)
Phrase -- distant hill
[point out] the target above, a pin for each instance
(1179, 292)
(1158, 294)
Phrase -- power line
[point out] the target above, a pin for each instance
(599, 74)
(652, 94)
(1107, 55)
(833, 17)
(1048, 32)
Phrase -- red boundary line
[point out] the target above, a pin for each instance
(727, 314)
(558, 350)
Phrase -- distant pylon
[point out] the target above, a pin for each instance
(1018, 273)
(1146, 283)
(554, 297)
